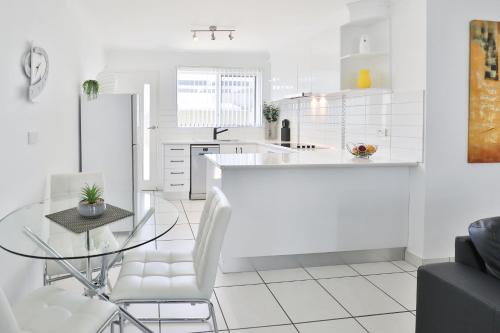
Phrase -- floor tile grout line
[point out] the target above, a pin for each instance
(342, 305)
(187, 218)
(221, 312)
(348, 312)
(365, 277)
(309, 279)
(281, 306)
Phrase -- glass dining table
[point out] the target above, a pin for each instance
(29, 233)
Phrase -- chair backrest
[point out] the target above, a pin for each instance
(70, 184)
(213, 224)
(8, 322)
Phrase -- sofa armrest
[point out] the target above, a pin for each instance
(455, 298)
(466, 253)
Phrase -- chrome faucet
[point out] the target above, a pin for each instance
(216, 131)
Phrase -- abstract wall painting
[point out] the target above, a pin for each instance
(484, 93)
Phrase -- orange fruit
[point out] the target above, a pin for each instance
(371, 149)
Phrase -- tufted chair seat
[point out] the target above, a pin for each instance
(53, 310)
(156, 275)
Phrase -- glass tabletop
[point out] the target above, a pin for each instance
(19, 228)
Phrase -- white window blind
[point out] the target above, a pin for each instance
(219, 97)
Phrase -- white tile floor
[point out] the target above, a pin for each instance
(358, 298)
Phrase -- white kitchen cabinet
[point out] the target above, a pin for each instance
(176, 170)
(229, 149)
(238, 148)
(177, 164)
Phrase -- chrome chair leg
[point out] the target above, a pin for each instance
(212, 314)
(45, 276)
(121, 320)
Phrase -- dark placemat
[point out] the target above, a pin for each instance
(73, 221)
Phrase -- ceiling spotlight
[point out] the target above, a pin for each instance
(212, 30)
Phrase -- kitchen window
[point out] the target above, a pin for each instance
(219, 97)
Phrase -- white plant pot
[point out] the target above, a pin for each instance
(272, 130)
(91, 210)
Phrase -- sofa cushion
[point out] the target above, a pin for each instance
(485, 235)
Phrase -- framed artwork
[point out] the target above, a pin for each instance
(484, 93)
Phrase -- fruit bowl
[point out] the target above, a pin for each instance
(361, 150)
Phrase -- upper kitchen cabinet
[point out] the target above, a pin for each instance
(365, 44)
(307, 67)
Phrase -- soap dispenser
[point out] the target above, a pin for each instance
(285, 130)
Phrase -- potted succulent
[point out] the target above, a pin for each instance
(271, 114)
(91, 205)
(91, 89)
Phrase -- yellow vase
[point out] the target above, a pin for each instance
(364, 79)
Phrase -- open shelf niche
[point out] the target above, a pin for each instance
(374, 23)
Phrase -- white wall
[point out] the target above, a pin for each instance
(457, 193)
(408, 45)
(408, 56)
(165, 64)
(54, 25)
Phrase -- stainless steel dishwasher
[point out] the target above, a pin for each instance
(199, 169)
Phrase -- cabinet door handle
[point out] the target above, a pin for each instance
(176, 161)
(177, 149)
(236, 150)
(176, 184)
(176, 173)
(241, 150)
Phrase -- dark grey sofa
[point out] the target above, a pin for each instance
(459, 297)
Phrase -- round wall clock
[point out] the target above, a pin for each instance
(36, 67)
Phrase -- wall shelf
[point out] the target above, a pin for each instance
(364, 55)
(378, 61)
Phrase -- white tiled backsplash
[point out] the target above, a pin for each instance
(391, 120)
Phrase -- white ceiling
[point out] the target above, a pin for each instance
(165, 24)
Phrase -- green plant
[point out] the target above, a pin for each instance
(271, 112)
(91, 194)
(91, 88)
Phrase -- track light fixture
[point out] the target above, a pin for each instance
(212, 30)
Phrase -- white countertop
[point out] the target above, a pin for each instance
(321, 157)
(214, 142)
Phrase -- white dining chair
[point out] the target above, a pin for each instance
(160, 276)
(63, 186)
(53, 310)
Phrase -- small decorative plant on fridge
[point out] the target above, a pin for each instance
(91, 89)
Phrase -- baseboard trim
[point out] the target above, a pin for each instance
(418, 261)
(232, 265)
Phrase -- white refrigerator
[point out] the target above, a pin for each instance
(108, 144)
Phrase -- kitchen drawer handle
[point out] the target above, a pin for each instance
(177, 149)
(176, 161)
(176, 184)
(176, 173)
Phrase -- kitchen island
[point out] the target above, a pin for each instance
(311, 208)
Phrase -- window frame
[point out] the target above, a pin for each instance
(221, 73)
